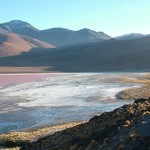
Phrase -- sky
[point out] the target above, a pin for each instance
(114, 17)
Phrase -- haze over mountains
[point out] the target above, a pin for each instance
(68, 50)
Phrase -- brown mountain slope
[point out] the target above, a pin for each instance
(14, 44)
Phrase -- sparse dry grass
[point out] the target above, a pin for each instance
(141, 79)
(19, 138)
(16, 148)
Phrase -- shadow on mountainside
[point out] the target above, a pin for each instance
(111, 55)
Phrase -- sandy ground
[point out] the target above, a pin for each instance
(136, 93)
(23, 69)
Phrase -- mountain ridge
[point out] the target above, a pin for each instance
(58, 37)
(130, 36)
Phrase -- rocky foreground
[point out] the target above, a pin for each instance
(126, 128)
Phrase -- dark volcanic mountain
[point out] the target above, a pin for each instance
(58, 37)
(110, 55)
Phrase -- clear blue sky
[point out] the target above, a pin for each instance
(114, 17)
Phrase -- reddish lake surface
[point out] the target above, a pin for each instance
(6, 79)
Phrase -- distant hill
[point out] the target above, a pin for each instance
(14, 44)
(58, 37)
(19, 27)
(130, 36)
(110, 55)
(61, 37)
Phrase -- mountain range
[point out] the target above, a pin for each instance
(62, 49)
(58, 37)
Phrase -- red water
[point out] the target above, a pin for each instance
(6, 79)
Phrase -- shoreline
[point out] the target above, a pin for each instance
(37, 76)
(11, 70)
(33, 134)
(48, 69)
(136, 93)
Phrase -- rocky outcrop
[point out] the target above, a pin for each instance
(126, 128)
